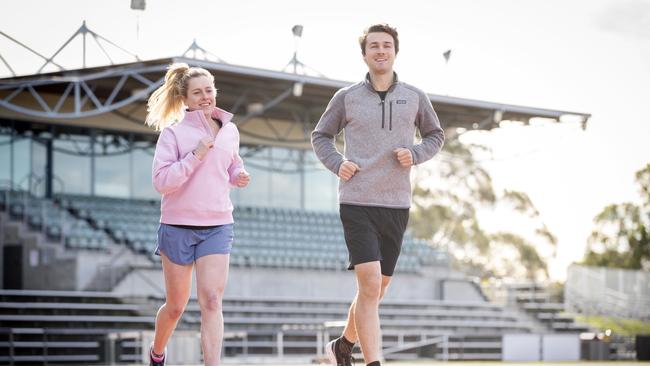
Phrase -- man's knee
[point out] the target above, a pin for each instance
(370, 288)
(385, 281)
(383, 291)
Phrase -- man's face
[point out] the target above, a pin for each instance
(380, 52)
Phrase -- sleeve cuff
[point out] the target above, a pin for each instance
(413, 155)
(234, 175)
(192, 160)
(338, 167)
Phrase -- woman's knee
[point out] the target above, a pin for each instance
(174, 310)
(210, 300)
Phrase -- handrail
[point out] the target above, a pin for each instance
(444, 339)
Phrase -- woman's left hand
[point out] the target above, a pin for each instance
(243, 178)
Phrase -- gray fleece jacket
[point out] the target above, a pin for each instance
(373, 129)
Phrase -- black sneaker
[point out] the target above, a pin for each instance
(159, 363)
(335, 357)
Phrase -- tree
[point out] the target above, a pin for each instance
(447, 201)
(621, 238)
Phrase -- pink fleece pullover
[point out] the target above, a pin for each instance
(197, 192)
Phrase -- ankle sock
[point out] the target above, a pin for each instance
(156, 357)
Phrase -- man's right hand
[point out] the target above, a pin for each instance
(347, 170)
(203, 147)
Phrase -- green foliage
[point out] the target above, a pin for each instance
(643, 179)
(450, 213)
(621, 238)
(446, 211)
(528, 255)
(521, 203)
(627, 327)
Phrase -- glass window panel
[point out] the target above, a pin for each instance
(72, 165)
(39, 160)
(256, 161)
(142, 156)
(257, 191)
(321, 185)
(22, 162)
(285, 191)
(285, 178)
(5, 156)
(112, 161)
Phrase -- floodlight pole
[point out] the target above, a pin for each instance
(297, 33)
(141, 6)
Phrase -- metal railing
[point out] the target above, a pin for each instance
(608, 291)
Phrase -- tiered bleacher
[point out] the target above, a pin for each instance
(268, 240)
(468, 330)
(41, 327)
(265, 237)
(55, 221)
(51, 326)
(535, 300)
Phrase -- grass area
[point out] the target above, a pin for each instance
(628, 327)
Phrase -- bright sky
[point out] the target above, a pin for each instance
(589, 56)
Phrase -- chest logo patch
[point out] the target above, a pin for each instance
(400, 101)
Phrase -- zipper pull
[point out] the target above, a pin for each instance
(390, 115)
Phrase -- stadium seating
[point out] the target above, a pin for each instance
(41, 327)
(60, 326)
(535, 300)
(265, 237)
(54, 221)
(79, 325)
(471, 330)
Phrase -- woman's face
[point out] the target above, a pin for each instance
(201, 94)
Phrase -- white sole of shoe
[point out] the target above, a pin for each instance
(329, 351)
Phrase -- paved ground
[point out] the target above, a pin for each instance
(261, 362)
(476, 363)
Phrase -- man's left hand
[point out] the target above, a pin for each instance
(404, 156)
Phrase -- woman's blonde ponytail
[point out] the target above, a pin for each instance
(165, 105)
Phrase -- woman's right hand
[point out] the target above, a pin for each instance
(203, 147)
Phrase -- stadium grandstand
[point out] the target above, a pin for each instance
(78, 220)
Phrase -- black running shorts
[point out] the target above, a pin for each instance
(374, 234)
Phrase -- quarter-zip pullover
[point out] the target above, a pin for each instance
(197, 192)
(372, 131)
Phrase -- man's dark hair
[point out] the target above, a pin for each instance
(377, 28)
